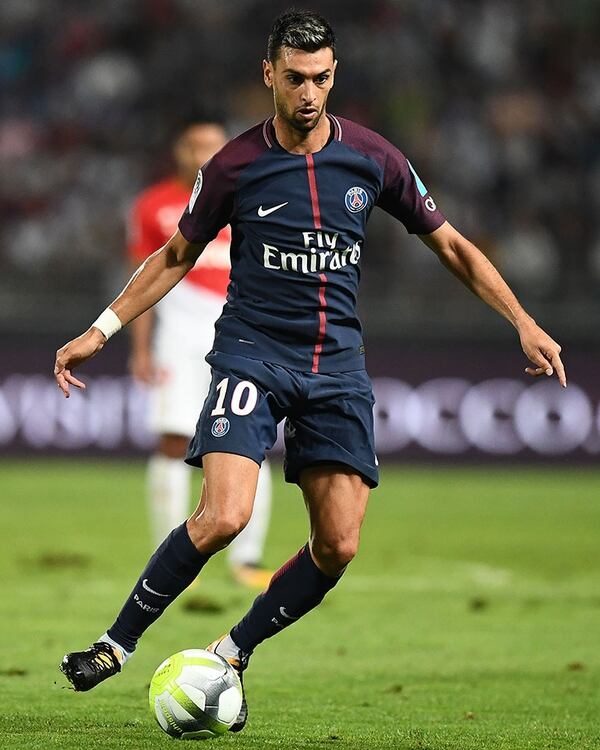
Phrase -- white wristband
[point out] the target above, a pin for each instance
(108, 322)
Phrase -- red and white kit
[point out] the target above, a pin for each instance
(185, 317)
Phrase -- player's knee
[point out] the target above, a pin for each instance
(345, 551)
(211, 532)
(228, 525)
(332, 555)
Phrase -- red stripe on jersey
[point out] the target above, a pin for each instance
(314, 199)
(314, 196)
(322, 324)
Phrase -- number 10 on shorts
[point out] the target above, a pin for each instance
(243, 398)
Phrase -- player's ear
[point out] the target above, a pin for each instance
(333, 70)
(268, 74)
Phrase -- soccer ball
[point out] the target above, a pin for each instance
(195, 695)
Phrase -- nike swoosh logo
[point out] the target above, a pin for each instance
(285, 614)
(262, 212)
(152, 591)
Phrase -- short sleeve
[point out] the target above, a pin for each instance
(143, 238)
(211, 203)
(405, 197)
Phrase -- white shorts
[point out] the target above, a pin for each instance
(176, 403)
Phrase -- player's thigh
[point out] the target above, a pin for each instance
(336, 498)
(335, 427)
(177, 399)
(228, 492)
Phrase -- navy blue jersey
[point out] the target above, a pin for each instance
(298, 226)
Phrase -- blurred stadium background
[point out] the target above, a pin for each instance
(497, 102)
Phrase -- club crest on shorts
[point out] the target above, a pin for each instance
(356, 199)
(220, 427)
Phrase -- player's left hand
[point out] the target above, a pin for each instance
(543, 351)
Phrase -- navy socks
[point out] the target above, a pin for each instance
(170, 571)
(296, 588)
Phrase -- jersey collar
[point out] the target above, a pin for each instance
(268, 131)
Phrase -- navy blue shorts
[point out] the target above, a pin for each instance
(329, 417)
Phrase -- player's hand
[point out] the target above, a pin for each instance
(143, 367)
(75, 353)
(542, 351)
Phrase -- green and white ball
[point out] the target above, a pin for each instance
(195, 695)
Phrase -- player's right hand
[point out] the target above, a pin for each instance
(75, 353)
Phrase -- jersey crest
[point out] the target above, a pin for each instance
(356, 199)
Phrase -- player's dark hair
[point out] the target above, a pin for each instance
(299, 29)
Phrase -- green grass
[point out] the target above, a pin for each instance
(470, 619)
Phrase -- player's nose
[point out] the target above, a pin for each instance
(308, 93)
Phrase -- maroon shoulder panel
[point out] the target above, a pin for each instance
(403, 194)
(212, 200)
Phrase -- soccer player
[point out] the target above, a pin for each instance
(169, 348)
(297, 190)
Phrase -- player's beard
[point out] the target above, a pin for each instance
(289, 116)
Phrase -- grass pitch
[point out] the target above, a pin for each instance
(470, 619)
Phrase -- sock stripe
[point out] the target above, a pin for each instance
(296, 588)
(287, 565)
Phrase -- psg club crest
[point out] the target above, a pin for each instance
(220, 427)
(356, 199)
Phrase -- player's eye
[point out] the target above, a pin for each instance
(296, 80)
(322, 79)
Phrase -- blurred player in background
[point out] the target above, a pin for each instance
(170, 342)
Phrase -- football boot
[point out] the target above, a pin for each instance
(239, 664)
(86, 669)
